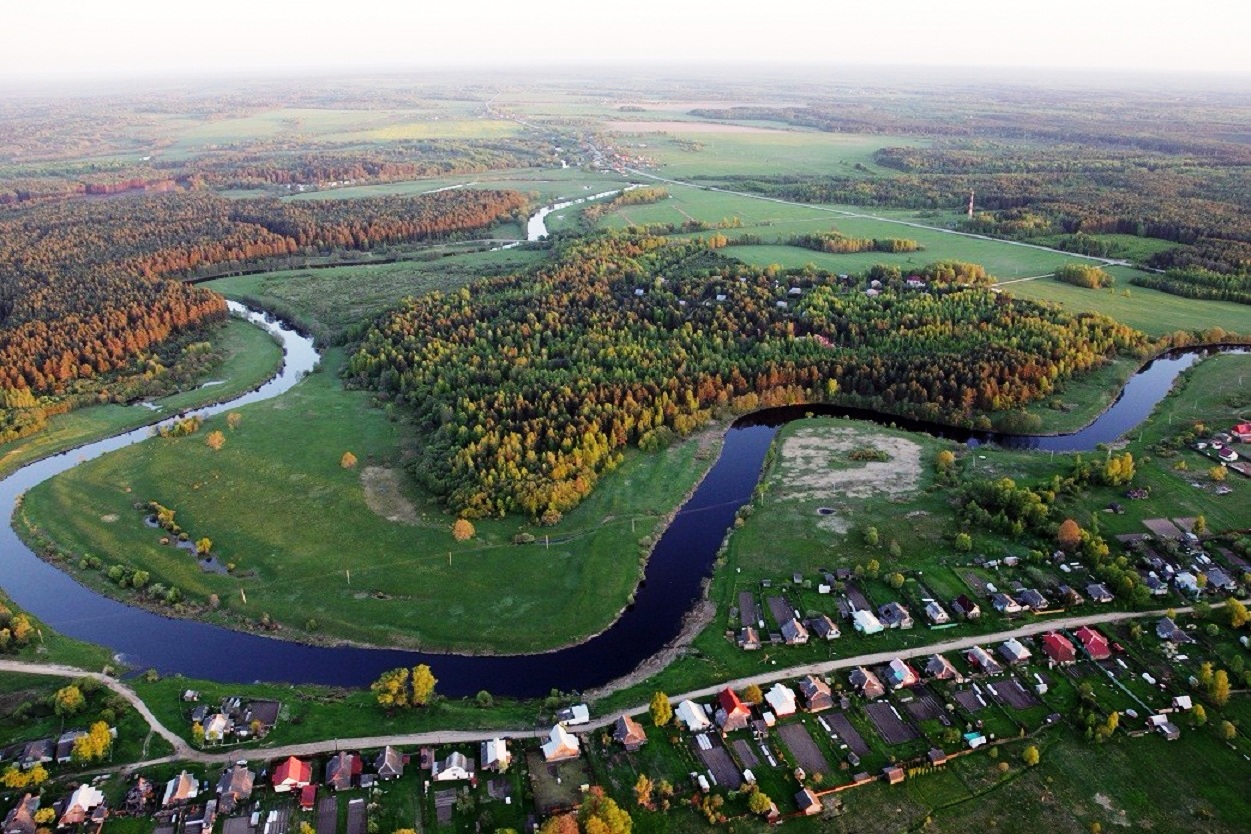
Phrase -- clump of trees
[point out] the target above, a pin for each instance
(404, 688)
(1084, 275)
(837, 243)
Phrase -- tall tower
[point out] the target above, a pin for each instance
(970, 204)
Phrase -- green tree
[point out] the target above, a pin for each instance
(759, 803)
(1200, 526)
(1238, 616)
(871, 537)
(423, 685)
(1199, 714)
(662, 710)
(68, 701)
(963, 542)
(484, 699)
(1228, 731)
(197, 734)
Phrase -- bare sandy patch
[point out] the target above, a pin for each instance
(1105, 803)
(816, 465)
(686, 127)
(109, 519)
(383, 495)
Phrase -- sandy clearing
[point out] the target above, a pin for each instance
(816, 466)
(109, 519)
(686, 127)
(383, 495)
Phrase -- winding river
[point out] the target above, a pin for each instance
(682, 559)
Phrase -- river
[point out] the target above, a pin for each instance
(682, 559)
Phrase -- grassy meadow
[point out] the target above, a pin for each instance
(330, 300)
(277, 504)
(250, 357)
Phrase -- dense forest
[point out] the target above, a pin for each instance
(526, 388)
(86, 288)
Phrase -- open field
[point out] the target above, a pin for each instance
(250, 357)
(777, 221)
(1151, 311)
(762, 152)
(328, 301)
(263, 500)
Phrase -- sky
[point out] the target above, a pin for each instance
(164, 38)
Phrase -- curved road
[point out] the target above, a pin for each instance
(184, 752)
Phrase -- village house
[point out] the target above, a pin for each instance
(781, 699)
(692, 715)
(899, 675)
(732, 713)
(866, 683)
(1013, 651)
(65, 745)
(574, 715)
(389, 764)
(966, 608)
(815, 693)
(1030, 598)
(794, 633)
(37, 752)
(1058, 649)
(1219, 580)
(235, 787)
(939, 668)
(629, 733)
(1098, 592)
(1187, 583)
(980, 659)
(83, 804)
(824, 627)
(1227, 455)
(807, 802)
(343, 771)
(866, 623)
(291, 774)
(182, 788)
(749, 639)
(21, 820)
(493, 755)
(1168, 630)
(1164, 727)
(1242, 432)
(1070, 596)
(562, 745)
(894, 615)
(1005, 604)
(936, 614)
(216, 727)
(1094, 644)
(458, 767)
(894, 774)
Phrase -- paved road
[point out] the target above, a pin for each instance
(184, 752)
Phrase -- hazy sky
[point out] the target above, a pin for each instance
(175, 37)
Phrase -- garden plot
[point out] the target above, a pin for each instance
(846, 733)
(745, 754)
(558, 785)
(444, 804)
(970, 699)
(748, 610)
(925, 706)
(717, 759)
(804, 749)
(889, 723)
(327, 815)
(1013, 693)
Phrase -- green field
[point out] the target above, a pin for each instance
(250, 357)
(277, 504)
(777, 221)
(1151, 311)
(328, 301)
(762, 152)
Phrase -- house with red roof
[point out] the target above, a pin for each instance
(308, 797)
(292, 774)
(1242, 431)
(1094, 644)
(732, 713)
(1058, 649)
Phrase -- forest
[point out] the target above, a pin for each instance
(527, 388)
(87, 287)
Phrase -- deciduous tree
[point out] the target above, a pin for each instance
(662, 710)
